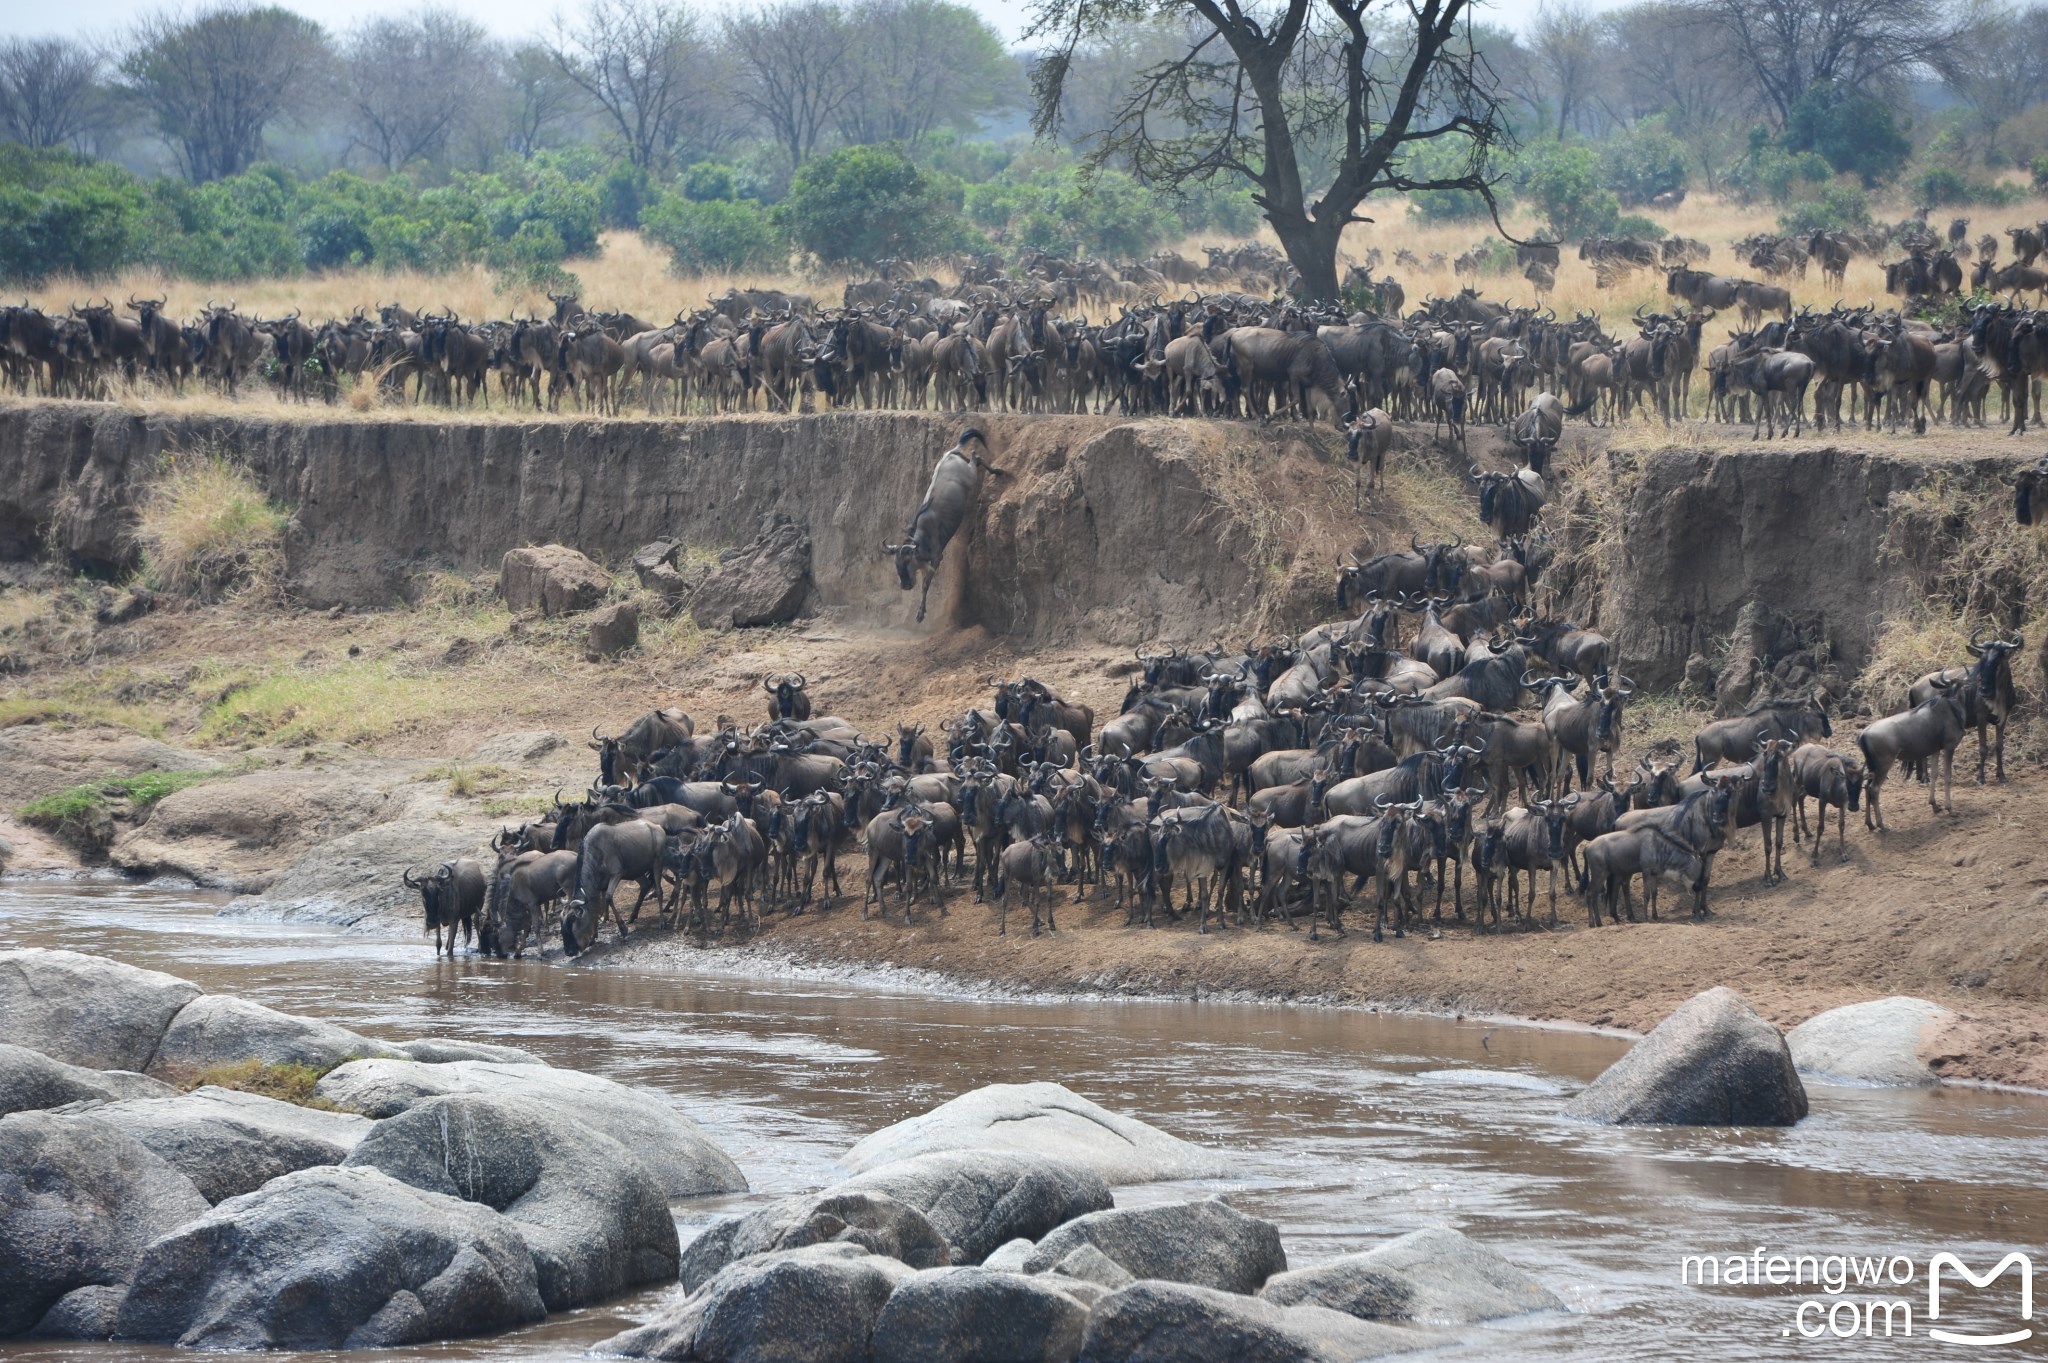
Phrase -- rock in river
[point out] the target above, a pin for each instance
(1208, 1244)
(813, 1305)
(1713, 1062)
(975, 1315)
(1432, 1277)
(219, 1029)
(1882, 1042)
(672, 1146)
(981, 1199)
(229, 1143)
(592, 1214)
(79, 1200)
(333, 1259)
(1040, 1119)
(1155, 1322)
(30, 1080)
(878, 1224)
(86, 1010)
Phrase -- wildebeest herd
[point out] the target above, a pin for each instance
(1446, 727)
(1019, 341)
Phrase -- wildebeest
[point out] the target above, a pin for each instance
(1829, 778)
(1510, 502)
(787, 698)
(954, 492)
(611, 853)
(1034, 866)
(1986, 689)
(453, 896)
(1930, 729)
(1733, 740)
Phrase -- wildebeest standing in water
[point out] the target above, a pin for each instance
(951, 498)
(453, 896)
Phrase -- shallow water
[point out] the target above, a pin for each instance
(1347, 1126)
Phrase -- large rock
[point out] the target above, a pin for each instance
(1430, 1277)
(1713, 1062)
(553, 579)
(595, 1219)
(1208, 1244)
(1883, 1042)
(812, 1305)
(763, 584)
(878, 1224)
(973, 1315)
(1155, 1322)
(679, 1155)
(981, 1199)
(614, 629)
(1040, 1119)
(30, 1080)
(436, 1050)
(79, 1200)
(333, 1259)
(220, 1029)
(229, 1143)
(87, 1010)
(356, 877)
(39, 759)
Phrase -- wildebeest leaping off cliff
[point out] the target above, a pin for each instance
(951, 498)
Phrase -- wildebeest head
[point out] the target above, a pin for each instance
(906, 563)
(1992, 657)
(784, 688)
(432, 889)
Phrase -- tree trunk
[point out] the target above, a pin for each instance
(1311, 248)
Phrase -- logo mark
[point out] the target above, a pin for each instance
(1945, 1259)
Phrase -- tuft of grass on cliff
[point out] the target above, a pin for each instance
(207, 530)
(286, 1083)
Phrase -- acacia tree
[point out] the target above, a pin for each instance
(1301, 95)
(216, 81)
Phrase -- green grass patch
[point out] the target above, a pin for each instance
(353, 704)
(286, 1083)
(81, 806)
(465, 782)
(78, 711)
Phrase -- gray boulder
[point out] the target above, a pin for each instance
(1882, 1042)
(87, 1010)
(1431, 1277)
(436, 1050)
(229, 1143)
(1090, 1265)
(1208, 1244)
(333, 1259)
(1713, 1062)
(679, 1155)
(613, 629)
(878, 1224)
(85, 1313)
(1010, 1256)
(979, 1199)
(220, 1029)
(765, 583)
(593, 1216)
(973, 1315)
(30, 1080)
(813, 1305)
(551, 578)
(1156, 1322)
(1040, 1119)
(79, 1200)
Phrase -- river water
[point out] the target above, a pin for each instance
(1347, 1126)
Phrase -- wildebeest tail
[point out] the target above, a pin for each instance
(1582, 408)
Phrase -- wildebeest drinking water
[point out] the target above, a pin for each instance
(951, 498)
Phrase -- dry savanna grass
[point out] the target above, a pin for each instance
(206, 529)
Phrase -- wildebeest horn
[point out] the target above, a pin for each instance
(768, 682)
(406, 877)
(1416, 544)
(799, 683)
(595, 734)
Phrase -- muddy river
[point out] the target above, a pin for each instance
(1347, 1127)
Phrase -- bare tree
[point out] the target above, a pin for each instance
(1329, 93)
(407, 82)
(216, 81)
(1667, 57)
(1789, 46)
(1565, 48)
(2000, 64)
(645, 66)
(921, 65)
(541, 98)
(793, 70)
(50, 91)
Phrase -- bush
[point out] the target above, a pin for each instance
(207, 529)
(1564, 183)
(869, 203)
(1840, 208)
(1855, 132)
(1643, 161)
(1440, 158)
(79, 807)
(64, 214)
(1061, 209)
(726, 235)
(1945, 185)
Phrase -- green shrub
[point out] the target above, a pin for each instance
(1640, 162)
(79, 807)
(1565, 185)
(868, 203)
(1840, 208)
(729, 235)
(64, 214)
(1855, 132)
(1636, 225)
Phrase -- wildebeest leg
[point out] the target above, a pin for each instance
(931, 571)
(1948, 778)
(1553, 893)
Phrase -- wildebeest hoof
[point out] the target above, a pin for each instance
(1376, 936)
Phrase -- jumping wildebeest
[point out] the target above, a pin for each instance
(954, 492)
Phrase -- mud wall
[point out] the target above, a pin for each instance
(1801, 531)
(1107, 528)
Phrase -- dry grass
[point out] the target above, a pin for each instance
(80, 705)
(207, 530)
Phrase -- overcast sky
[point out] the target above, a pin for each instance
(519, 18)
